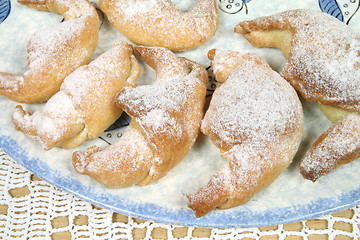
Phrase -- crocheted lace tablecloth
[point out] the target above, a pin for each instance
(30, 208)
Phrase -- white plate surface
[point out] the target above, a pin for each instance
(290, 198)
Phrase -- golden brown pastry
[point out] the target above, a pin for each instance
(160, 23)
(84, 107)
(255, 118)
(338, 145)
(323, 64)
(55, 52)
(166, 119)
(322, 54)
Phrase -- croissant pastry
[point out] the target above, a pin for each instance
(323, 65)
(165, 122)
(161, 23)
(54, 53)
(84, 107)
(255, 118)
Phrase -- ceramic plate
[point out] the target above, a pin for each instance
(290, 198)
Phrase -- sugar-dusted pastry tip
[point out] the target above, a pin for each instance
(239, 29)
(339, 145)
(210, 196)
(80, 159)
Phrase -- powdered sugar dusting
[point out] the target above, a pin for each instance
(121, 164)
(250, 163)
(161, 23)
(135, 8)
(252, 107)
(162, 121)
(340, 144)
(86, 80)
(53, 123)
(84, 107)
(166, 16)
(157, 138)
(255, 118)
(57, 117)
(52, 41)
(169, 113)
(157, 107)
(325, 57)
(164, 95)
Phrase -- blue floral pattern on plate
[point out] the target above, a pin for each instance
(5, 8)
(233, 6)
(343, 10)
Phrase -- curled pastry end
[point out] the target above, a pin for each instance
(19, 118)
(311, 175)
(208, 198)
(211, 54)
(225, 62)
(81, 159)
(240, 30)
(14, 88)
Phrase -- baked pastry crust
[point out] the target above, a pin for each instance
(84, 107)
(323, 64)
(321, 52)
(336, 146)
(55, 52)
(255, 118)
(166, 119)
(160, 22)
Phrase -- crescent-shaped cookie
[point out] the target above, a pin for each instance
(160, 22)
(255, 118)
(323, 64)
(166, 119)
(84, 107)
(323, 61)
(55, 52)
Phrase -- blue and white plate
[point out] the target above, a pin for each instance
(290, 198)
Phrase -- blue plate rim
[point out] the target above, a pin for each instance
(217, 219)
